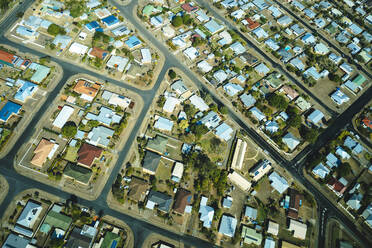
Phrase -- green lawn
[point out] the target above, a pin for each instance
(71, 153)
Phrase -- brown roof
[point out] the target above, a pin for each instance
(183, 198)
(87, 88)
(188, 8)
(6, 57)
(291, 93)
(88, 153)
(252, 24)
(41, 152)
(137, 189)
(294, 202)
(292, 214)
(337, 185)
(98, 52)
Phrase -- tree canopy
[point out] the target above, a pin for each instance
(177, 21)
(278, 101)
(69, 130)
(54, 29)
(76, 7)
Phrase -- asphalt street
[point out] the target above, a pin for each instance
(142, 228)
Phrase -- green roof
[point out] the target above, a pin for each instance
(58, 220)
(273, 80)
(359, 80)
(77, 172)
(109, 238)
(250, 236)
(147, 10)
(158, 144)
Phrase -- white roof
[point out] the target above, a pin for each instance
(290, 140)
(78, 48)
(29, 214)
(239, 153)
(102, 13)
(199, 103)
(191, 53)
(239, 180)
(298, 228)
(170, 104)
(168, 31)
(204, 66)
(273, 228)
(178, 170)
(321, 171)
(117, 62)
(146, 55)
(63, 116)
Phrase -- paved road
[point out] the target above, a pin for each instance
(140, 228)
(328, 40)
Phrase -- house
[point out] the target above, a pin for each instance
(211, 120)
(262, 69)
(93, 3)
(321, 48)
(321, 171)
(308, 39)
(163, 124)
(225, 38)
(198, 103)
(182, 201)
(150, 162)
(191, 53)
(237, 48)
(239, 181)
(337, 186)
(56, 220)
(309, 13)
(227, 226)
(97, 52)
(227, 202)
(260, 33)
(257, 114)
(14, 240)
(291, 141)
(251, 236)
(40, 72)
(315, 117)
(279, 183)
(177, 172)
(204, 66)
(102, 13)
(348, 69)
(213, 27)
(77, 173)
(117, 62)
(44, 150)
(260, 169)
(284, 21)
(247, 100)
(232, 89)
(273, 228)
(78, 48)
(367, 215)
(302, 103)
(299, 229)
(250, 213)
(269, 243)
(202, 16)
(289, 245)
(289, 92)
(179, 87)
(189, 8)
(332, 160)
(355, 201)
(26, 90)
(87, 154)
(62, 41)
(161, 201)
(335, 58)
(28, 218)
(92, 26)
(298, 64)
(206, 213)
(224, 132)
(116, 100)
(298, 5)
(168, 31)
(137, 189)
(342, 153)
(100, 136)
(367, 123)
(220, 76)
(251, 24)
(261, 4)
(120, 31)
(339, 97)
(105, 116)
(239, 153)
(87, 90)
(63, 116)
(156, 21)
(7, 58)
(170, 104)
(27, 32)
(133, 42)
(275, 12)
(110, 21)
(237, 14)
(312, 72)
(146, 56)
(80, 238)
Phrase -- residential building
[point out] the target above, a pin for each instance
(79, 238)
(279, 183)
(198, 103)
(177, 172)
(251, 236)
(227, 226)
(117, 63)
(163, 124)
(137, 189)
(159, 200)
(63, 116)
(87, 154)
(247, 100)
(157, 144)
(299, 229)
(315, 117)
(273, 228)
(78, 48)
(239, 153)
(239, 181)
(105, 116)
(77, 173)
(27, 219)
(100, 136)
(206, 213)
(211, 120)
(183, 201)
(151, 162)
(291, 141)
(87, 90)
(44, 150)
(260, 169)
(224, 132)
(116, 99)
(14, 240)
(227, 202)
(355, 201)
(55, 219)
(250, 213)
(320, 171)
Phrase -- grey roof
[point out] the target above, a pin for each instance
(279, 183)
(151, 161)
(315, 116)
(100, 136)
(228, 225)
(248, 100)
(250, 212)
(77, 240)
(105, 116)
(211, 120)
(14, 241)
(355, 201)
(163, 201)
(179, 87)
(29, 214)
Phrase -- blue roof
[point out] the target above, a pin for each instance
(224, 131)
(133, 41)
(9, 109)
(228, 225)
(27, 89)
(110, 20)
(250, 212)
(213, 26)
(92, 25)
(257, 113)
(321, 171)
(315, 116)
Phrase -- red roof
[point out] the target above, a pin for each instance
(6, 57)
(252, 24)
(188, 8)
(337, 186)
(367, 122)
(87, 153)
(294, 202)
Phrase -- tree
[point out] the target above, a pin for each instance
(295, 121)
(76, 7)
(69, 130)
(172, 74)
(177, 21)
(183, 124)
(198, 130)
(223, 109)
(187, 20)
(278, 101)
(54, 29)
(20, 14)
(344, 169)
(309, 134)
(334, 77)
